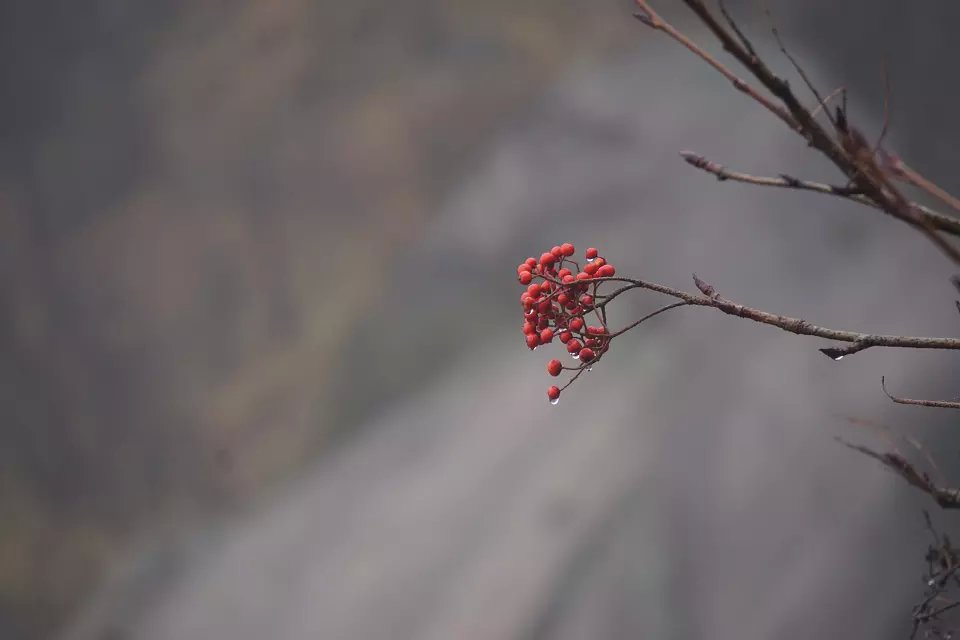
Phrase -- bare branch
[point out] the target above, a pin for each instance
(947, 498)
(845, 147)
(652, 19)
(938, 404)
(858, 341)
(935, 219)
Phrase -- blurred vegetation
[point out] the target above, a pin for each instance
(203, 205)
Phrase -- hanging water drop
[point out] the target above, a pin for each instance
(555, 401)
(575, 356)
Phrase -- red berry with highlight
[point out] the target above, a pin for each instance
(606, 271)
(565, 336)
(587, 354)
(567, 249)
(592, 253)
(573, 346)
(553, 393)
(546, 336)
(554, 367)
(526, 276)
(533, 340)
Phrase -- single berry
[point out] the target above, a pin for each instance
(547, 259)
(528, 328)
(546, 336)
(576, 324)
(583, 276)
(587, 354)
(563, 273)
(554, 394)
(590, 268)
(533, 340)
(573, 346)
(586, 300)
(567, 249)
(531, 262)
(526, 276)
(557, 252)
(565, 336)
(592, 253)
(606, 271)
(554, 367)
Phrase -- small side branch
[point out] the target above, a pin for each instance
(947, 498)
(934, 219)
(938, 404)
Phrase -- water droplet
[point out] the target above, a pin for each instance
(931, 583)
(575, 356)
(555, 401)
(589, 368)
(837, 358)
(590, 259)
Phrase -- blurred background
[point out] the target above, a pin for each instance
(262, 371)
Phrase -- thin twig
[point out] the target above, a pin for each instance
(947, 498)
(938, 404)
(647, 317)
(902, 170)
(652, 19)
(935, 219)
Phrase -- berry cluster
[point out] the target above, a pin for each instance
(558, 298)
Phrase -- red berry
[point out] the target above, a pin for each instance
(553, 393)
(567, 249)
(547, 259)
(590, 268)
(565, 336)
(600, 261)
(554, 367)
(533, 340)
(590, 342)
(526, 276)
(546, 336)
(523, 267)
(583, 276)
(557, 252)
(586, 300)
(563, 273)
(534, 289)
(592, 253)
(531, 262)
(587, 354)
(528, 328)
(606, 271)
(563, 299)
(576, 324)
(573, 346)
(568, 279)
